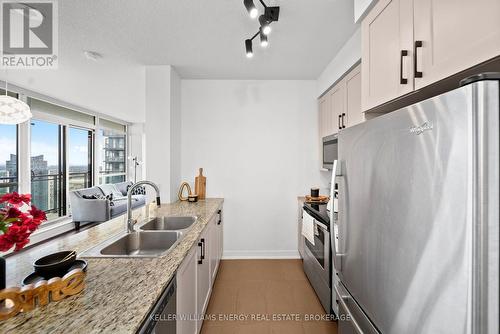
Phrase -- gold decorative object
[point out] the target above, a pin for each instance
(317, 200)
(181, 190)
(15, 300)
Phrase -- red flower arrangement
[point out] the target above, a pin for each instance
(18, 219)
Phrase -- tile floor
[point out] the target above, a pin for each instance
(264, 290)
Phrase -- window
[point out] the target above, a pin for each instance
(80, 158)
(8, 159)
(113, 165)
(47, 168)
(61, 145)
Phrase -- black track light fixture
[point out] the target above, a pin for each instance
(263, 39)
(264, 24)
(251, 9)
(271, 14)
(248, 48)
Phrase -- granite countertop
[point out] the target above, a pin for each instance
(119, 292)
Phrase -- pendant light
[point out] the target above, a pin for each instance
(251, 9)
(263, 39)
(248, 48)
(12, 110)
(264, 24)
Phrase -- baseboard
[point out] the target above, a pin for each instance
(258, 254)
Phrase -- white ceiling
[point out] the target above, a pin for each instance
(205, 38)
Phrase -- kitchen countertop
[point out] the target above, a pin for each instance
(119, 292)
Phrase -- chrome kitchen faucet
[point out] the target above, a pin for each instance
(130, 221)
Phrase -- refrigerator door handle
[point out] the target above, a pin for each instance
(338, 251)
(342, 298)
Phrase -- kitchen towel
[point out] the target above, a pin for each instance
(308, 227)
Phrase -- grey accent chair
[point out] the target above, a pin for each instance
(86, 210)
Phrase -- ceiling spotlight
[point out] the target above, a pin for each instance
(263, 40)
(264, 25)
(248, 47)
(251, 9)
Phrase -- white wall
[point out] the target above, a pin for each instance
(257, 143)
(175, 134)
(341, 63)
(361, 7)
(162, 130)
(137, 148)
(157, 128)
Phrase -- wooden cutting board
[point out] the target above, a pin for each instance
(200, 185)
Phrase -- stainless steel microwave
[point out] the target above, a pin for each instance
(330, 151)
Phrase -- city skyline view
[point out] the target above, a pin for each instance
(48, 182)
(44, 141)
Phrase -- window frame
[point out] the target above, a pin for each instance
(17, 183)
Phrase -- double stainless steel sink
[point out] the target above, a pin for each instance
(156, 237)
(172, 223)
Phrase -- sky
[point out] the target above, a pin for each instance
(44, 140)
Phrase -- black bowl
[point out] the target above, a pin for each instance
(54, 264)
(34, 278)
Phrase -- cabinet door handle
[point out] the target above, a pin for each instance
(343, 120)
(200, 244)
(418, 44)
(220, 217)
(340, 127)
(203, 249)
(402, 81)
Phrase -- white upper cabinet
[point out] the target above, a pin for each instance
(340, 106)
(455, 35)
(387, 36)
(337, 105)
(354, 113)
(410, 44)
(324, 107)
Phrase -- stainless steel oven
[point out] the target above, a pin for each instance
(330, 151)
(317, 262)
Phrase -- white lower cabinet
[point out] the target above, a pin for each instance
(213, 250)
(216, 245)
(196, 276)
(203, 274)
(186, 294)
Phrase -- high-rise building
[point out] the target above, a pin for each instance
(40, 194)
(10, 175)
(11, 165)
(113, 153)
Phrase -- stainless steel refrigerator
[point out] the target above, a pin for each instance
(417, 249)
